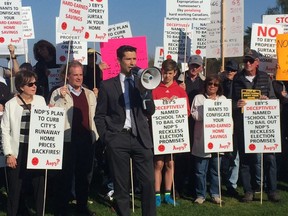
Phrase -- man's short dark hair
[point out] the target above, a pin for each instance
(169, 64)
(125, 48)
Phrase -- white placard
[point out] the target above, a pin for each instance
(213, 31)
(46, 137)
(218, 126)
(159, 57)
(54, 78)
(28, 27)
(279, 19)
(233, 28)
(188, 11)
(198, 46)
(175, 40)
(11, 26)
(73, 17)
(119, 30)
(97, 22)
(170, 127)
(78, 48)
(262, 126)
(263, 38)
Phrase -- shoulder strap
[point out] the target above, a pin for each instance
(24, 103)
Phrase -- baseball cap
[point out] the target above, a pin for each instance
(231, 65)
(251, 54)
(195, 59)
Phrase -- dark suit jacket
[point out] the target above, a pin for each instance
(110, 112)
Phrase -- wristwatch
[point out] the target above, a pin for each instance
(8, 155)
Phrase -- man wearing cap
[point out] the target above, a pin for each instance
(252, 78)
(230, 162)
(193, 85)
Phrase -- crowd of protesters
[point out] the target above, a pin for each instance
(106, 125)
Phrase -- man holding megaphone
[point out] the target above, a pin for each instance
(121, 119)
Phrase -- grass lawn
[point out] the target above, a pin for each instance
(187, 207)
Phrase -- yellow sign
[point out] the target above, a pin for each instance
(250, 94)
(282, 57)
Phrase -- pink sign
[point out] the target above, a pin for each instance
(108, 53)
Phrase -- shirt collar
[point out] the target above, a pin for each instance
(71, 89)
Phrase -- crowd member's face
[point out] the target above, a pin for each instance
(75, 77)
(168, 76)
(30, 87)
(127, 62)
(251, 65)
(212, 88)
(44, 52)
(194, 70)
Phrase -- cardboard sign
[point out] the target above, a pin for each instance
(46, 137)
(189, 11)
(11, 26)
(262, 126)
(218, 126)
(119, 30)
(54, 78)
(263, 39)
(175, 41)
(250, 94)
(78, 48)
(97, 22)
(159, 57)
(279, 19)
(108, 51)
(282, 57)
(28, 28)
(73, 17)
(170, 127)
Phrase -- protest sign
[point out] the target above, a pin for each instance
(54, 78)
(170, 126)
(159, 57)
(262, 126)
(78, 48)
(213, 31)
(46, 137)
(73, 17)
(175, 41)
(198, 46)
(282, 57)
(108, 51)
(233, 30)
(11, 26)
(279, 19)
(97, 22)
(250, 94)
(263, 40)
(218, 126)
(28, 27)
(188, 11)
(119, 30)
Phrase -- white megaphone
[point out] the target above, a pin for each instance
(150, 78)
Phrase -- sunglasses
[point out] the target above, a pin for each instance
(214, 84)
(251, 61)
(31, 84)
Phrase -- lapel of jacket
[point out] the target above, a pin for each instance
(117, 84)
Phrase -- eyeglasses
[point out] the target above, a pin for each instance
(250, 60)
(214, 84)
(31, 84)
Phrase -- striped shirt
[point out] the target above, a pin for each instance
(25, 124)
